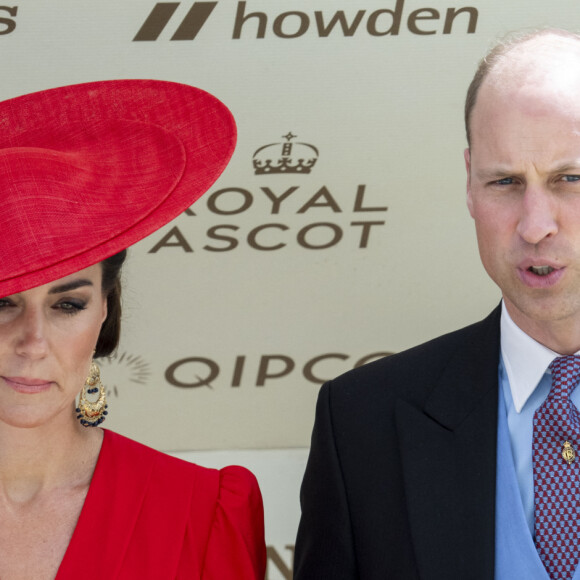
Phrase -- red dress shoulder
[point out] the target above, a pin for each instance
(148, 515)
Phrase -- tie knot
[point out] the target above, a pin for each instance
(565, 374)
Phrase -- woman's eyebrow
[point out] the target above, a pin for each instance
(70, 286)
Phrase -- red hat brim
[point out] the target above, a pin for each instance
(88, 170)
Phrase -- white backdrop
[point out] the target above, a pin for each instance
(355, 244)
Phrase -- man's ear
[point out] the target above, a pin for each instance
(467, 157)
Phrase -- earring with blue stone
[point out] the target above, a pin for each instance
(92, 413)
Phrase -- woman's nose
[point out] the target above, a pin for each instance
(31, 340)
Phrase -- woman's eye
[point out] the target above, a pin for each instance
(70, 307)
(6, 303)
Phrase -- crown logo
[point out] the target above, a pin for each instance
(285, 157)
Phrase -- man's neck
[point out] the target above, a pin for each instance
(561, 336)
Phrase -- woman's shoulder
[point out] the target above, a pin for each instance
(229, 481)
(219, 509)
(238, 480)
(118, 447)
(239, 493)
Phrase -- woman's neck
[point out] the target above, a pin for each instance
(34, 461)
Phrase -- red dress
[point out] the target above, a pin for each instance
(149, 516)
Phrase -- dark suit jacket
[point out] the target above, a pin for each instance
(400, 482)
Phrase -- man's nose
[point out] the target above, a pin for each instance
(538, 217)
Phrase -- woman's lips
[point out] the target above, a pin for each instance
(27, 384)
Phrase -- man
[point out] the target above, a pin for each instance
(433, 463)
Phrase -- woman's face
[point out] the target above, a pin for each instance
(47, 338)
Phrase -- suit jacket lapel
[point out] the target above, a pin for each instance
(448, 450)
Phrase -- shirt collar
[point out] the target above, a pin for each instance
(525, 360)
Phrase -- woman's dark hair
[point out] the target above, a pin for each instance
(111, 287)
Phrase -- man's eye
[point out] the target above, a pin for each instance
(571, 178)
(5, 303)
(505, 181)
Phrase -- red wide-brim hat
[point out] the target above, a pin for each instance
(87, 170)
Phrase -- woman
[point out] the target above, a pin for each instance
(85, 171)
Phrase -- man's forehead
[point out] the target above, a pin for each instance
(539, 79)
(543, 68)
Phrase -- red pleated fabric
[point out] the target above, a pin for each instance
(151, 516)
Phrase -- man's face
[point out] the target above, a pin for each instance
(523, 192)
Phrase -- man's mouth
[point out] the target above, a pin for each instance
(541, 270)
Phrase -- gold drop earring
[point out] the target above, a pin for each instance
(92, 413)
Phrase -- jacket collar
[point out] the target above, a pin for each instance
(448, 450)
